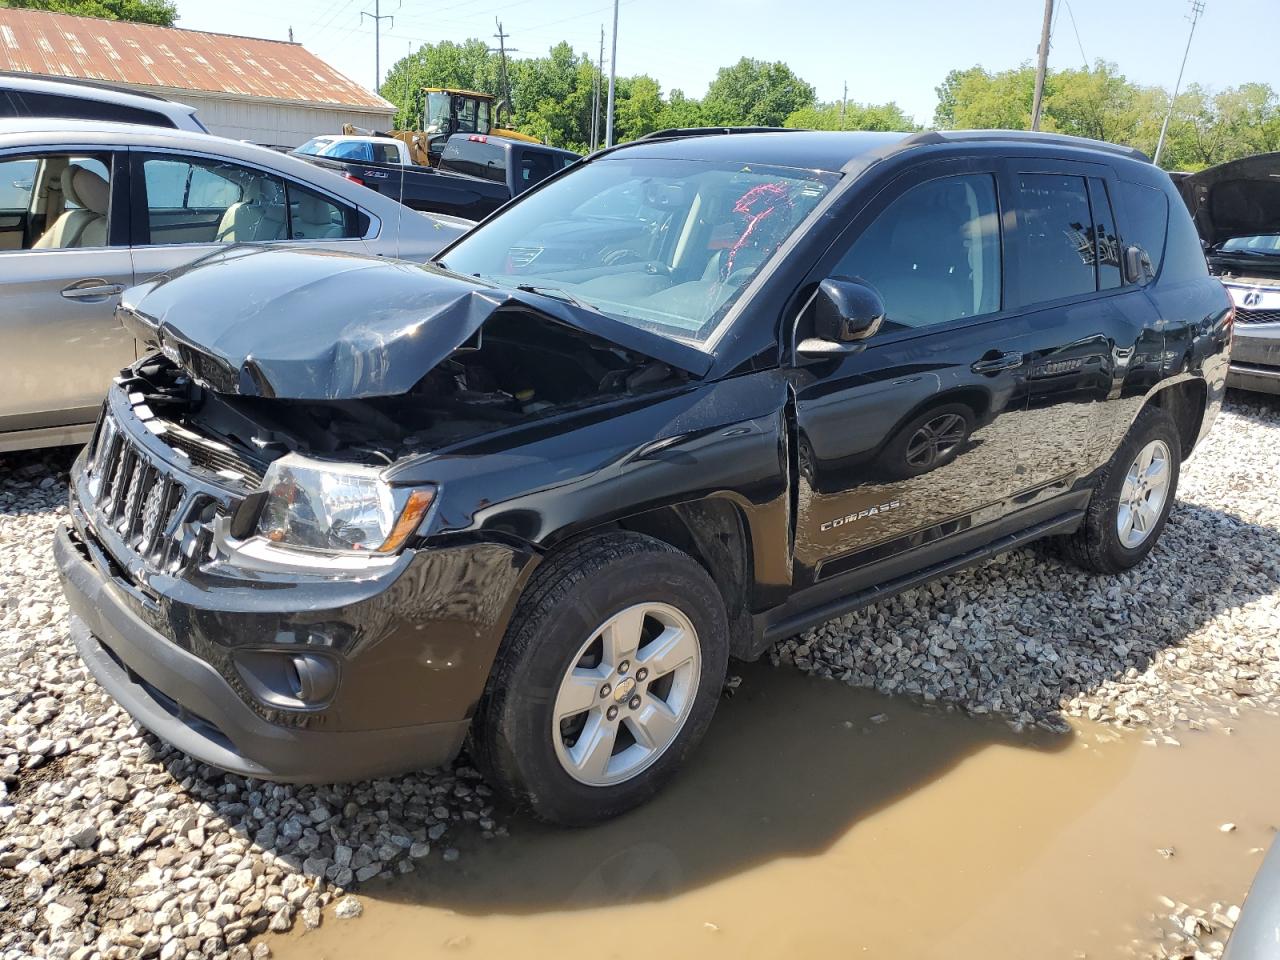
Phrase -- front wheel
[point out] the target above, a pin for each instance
(1131, 503)
(608, 677)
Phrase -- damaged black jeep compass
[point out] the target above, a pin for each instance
(696, 394)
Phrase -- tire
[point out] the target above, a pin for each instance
(642, 587)
(1098, 545)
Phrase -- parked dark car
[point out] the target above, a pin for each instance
(506, 167)
(353, 512)
(1236, 207)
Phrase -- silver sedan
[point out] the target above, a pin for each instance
(88, 208)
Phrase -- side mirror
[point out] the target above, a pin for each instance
(845, 313)
(1137, 265)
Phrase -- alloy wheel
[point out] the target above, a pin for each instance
(1143, 494)
(626, 694)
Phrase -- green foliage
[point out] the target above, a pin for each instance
(755, 93)
(855, 116)
(1099, 102)
(161, 12)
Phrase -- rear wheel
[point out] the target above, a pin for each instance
(608, 677)
(1131, 503)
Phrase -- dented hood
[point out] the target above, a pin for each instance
(320, 325)
(1240, 198)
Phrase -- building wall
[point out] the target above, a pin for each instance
(277, 124)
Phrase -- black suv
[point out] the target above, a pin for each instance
(695, 395)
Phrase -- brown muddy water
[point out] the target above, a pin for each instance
(803, 829)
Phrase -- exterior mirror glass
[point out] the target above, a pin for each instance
(846, 310)
(1137, 265)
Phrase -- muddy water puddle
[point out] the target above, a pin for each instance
(803, 828)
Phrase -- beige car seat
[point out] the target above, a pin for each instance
(314, 219)
(85, 224)
(258, 216)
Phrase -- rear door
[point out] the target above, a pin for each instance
(63, 264)
(187, 206)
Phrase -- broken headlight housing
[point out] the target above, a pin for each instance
(337, 507)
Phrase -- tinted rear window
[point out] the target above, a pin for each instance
(1146, 211)
(76, 108)
(475, 158)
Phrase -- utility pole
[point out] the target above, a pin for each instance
(503, 80)
(1197, 8)
(596, 83)
(377, 17)
(291, 34)
(613, 76)
(844, 103)
(1042, 65)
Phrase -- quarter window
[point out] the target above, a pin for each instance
(934, 253)
(1146, 220)
(1106, 243)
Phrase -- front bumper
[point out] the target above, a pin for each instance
(1255, 358)
(185, 701)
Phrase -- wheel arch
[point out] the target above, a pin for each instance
(1187, 401)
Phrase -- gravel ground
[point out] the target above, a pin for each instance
(114, 845)
(1187, 637)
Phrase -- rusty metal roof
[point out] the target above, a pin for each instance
(139, 54)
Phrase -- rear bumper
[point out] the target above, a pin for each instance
(182, 699)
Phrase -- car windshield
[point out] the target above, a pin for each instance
(667, 245)
(437, 118)
(1267, 244)
(316, 146)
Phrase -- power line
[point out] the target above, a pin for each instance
(1072, 14)
(377, 17)
(1197, 8)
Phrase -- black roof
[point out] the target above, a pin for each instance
(834, 149)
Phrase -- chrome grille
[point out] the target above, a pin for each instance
(1245, 315)
(153, 514)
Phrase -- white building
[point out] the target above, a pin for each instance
(267, 91)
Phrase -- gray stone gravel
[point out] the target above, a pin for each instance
(114, 845)
(1186, 638)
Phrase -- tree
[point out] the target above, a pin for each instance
(755, 93)
(680, 111)
(468, 66)
(164, 13)
(1098, 103)
(974, 99)
(856, 116)
(639, 109)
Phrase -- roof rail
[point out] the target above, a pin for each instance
(89, 84)
(677, 133)
(1025, 136)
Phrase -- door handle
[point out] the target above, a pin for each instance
(1004, 361)
(94, 289)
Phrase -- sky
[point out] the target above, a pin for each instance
(897, 50)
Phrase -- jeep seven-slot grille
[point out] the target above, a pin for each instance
(142, 503)
(1245, 315)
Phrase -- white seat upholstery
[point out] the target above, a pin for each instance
(314, 219)
(85, 225)
(259, 215)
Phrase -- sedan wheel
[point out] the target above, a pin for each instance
(627, 694)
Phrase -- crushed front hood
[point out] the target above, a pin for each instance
(319, 325)
(1236, 199)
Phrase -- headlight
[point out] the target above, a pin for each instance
(319, 505)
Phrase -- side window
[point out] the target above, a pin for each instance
(316, 217)
(54, 202)
(1106, 243)
(196, 200)
(1146, 211)
(385, 153)
(1054, 243)
(80, 108)
(352, 150)
(535, 167)
(934, 253)
(1184, 257)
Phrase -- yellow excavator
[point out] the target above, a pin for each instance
(446, 112)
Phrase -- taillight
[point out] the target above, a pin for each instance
(353, 178)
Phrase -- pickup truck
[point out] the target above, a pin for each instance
(509, 167)
(346, 515)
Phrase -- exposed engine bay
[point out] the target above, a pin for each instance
(518, 368)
